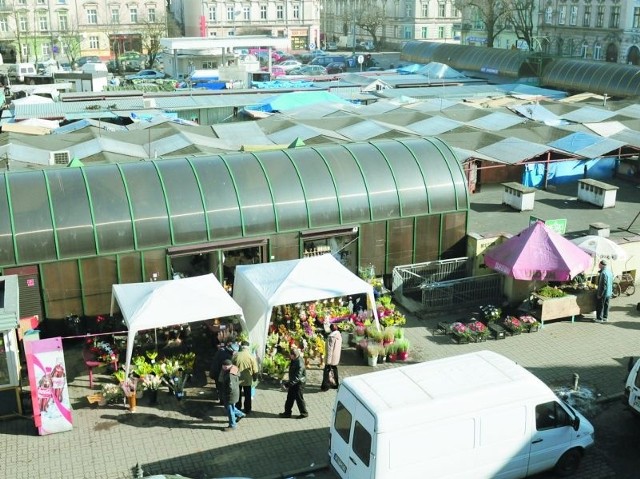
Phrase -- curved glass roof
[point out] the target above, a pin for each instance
(613, 79)
(73, 212)
(496, 61)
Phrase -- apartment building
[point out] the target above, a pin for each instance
(39, 30)
(299, 20)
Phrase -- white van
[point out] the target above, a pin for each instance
(17, 71)
(632, 387)
(478, 415)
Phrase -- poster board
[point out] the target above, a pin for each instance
(48, 382)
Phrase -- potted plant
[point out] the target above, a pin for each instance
(392, 352)
(402, 346)
(529, 323)
(490, 313)
(388, 335)
(460, 333)
(111, 394)
(512, 324)
(374, 335)
(373, 351)
(478, 331)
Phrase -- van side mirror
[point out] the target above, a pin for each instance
(576, 423)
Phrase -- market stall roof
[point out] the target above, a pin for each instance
(260, 287)
(538, 253)
(157, 304)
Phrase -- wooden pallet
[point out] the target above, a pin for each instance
(95, 398)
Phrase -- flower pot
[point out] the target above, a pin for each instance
(393, 357)
(403, 355)
(372, 360)
(153, 396)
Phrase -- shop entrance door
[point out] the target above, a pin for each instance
(342, 244)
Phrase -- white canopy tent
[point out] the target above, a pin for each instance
(259, 287)
(165, 303)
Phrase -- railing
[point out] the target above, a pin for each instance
(462, 292)
(409, 278)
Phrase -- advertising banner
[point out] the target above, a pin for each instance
(48, 381)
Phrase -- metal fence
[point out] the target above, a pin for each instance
(445, 284)
(462, 292)
(409, 279)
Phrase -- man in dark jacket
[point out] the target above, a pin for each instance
(230, 382)
(295, 385)
(223, 353)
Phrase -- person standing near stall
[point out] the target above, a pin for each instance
(230, 382)
(248, 369)
(605, 291)
(334, 348)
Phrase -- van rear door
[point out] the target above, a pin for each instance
(352, 439)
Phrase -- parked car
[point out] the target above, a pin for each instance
(289, 65)
(332, 47)
(88, 59)
(146, 75)
(66, 67)
(324, 60)
(336, 67)
(309, 70)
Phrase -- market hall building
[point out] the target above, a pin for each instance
(70, 233)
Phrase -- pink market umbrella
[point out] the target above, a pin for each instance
(538, 253)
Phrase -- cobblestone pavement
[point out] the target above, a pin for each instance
(187, 437)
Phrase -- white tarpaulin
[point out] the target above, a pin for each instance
(165, 303)
(259, 287)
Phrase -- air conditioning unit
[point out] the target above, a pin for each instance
(59, 157)
(149, 102)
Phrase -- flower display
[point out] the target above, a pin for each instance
(104, 352)
(490, 313)
(477, 327)
(529, 323)
(459, 328)
(513, 324)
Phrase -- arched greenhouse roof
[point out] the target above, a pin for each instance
(496, 61)
(60, 213)
(613, 79)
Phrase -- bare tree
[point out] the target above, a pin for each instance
(521, 17)
(494, 14)
(371, 17)
(152, 30)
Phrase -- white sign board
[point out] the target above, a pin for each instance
(360, 59)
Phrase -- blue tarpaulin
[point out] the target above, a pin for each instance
(289, 101)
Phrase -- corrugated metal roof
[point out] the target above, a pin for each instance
(434, 126)
(588, 114)
(363, 130)
(587, 145)
(513, 150)
(496, 120)
(241, 133)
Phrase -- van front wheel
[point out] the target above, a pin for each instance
(568, 463)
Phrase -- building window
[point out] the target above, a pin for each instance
(23, 23)
(63, 22)
(133, 15)
(614, 18)
(92, 16)
(586, 18)
(22, 2)
(440, 32)
(46, 49)
(4, 24)
(442, 10)
(562, 14)
(43, 22)
(152, 15)
(212, 13)
(407, 11)
(296, 11)
(424, 32)
(636, 18)
(25, 51)
(115, 16)
(600, 16)
(40, 2)
(263, 12)
(548, 15)
(230, 13)
(246, 13)
(597, 52)
(280, 12)
(407, 32)
(94, 42)
(584, 49)
(573, 16)
(425, 10)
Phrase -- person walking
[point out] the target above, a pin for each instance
(333, 350)
(230, 382)
(295, 385)
(605, 291)
(247, 366)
